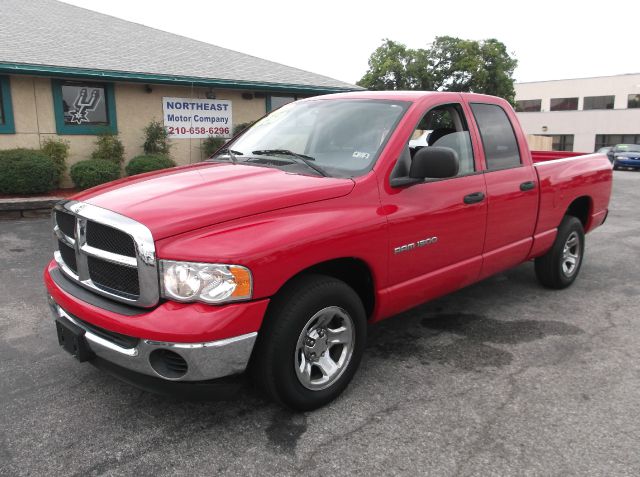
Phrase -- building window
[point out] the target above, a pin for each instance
(529, 105)
(84, 108)
(606, 140)
(564, 104)
(274, 102)
(633, 101)
(6, 107)
(561, 142)
(598, 102)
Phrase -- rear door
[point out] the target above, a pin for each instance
(511, 186)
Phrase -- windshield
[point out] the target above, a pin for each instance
(337, 138)
(627, 148)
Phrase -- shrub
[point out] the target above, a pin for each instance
(109, 148)
(156, 139)
(26, 171)
(142, 164)
(238, 128)
(58, 151)
(212, 144)
(93, 172)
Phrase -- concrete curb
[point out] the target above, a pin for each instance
(27, 207)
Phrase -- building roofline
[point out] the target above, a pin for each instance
(576, 79)
(154, 78)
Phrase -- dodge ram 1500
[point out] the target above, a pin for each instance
(270, 258)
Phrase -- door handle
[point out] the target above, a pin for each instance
(527, 186)
(474, 198)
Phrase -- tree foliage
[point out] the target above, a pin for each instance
(448, 64)
(156, 139)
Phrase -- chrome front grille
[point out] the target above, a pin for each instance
(106, 252)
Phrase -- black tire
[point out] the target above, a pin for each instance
(553, 269)
(277, 349)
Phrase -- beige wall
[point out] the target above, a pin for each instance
(34, 117)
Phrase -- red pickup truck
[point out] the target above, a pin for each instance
(270, 258)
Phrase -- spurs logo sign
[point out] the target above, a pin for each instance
(83, 104)
(414, 245)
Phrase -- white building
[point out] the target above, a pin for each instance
(582, 114)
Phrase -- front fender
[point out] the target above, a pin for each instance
(277, 245)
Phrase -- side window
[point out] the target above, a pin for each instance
(498, 138)
(84, 108)
(445, 126)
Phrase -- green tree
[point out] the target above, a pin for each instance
(393, 66)
(448, 64)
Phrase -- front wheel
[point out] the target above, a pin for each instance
(560, 266)
(311, 343)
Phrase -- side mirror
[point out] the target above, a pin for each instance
(434, 163)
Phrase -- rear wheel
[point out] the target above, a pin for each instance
(311, 343)
(560, 266)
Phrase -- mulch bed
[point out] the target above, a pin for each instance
(54, 193)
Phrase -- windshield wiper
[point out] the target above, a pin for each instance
(286, 152)
(232, 154)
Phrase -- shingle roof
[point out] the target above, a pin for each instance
(55, 34)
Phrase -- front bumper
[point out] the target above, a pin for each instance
(634, 163)
(185, 362)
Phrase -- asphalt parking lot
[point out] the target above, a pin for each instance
(503, 378)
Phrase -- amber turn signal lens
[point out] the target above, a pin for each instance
(243, 282)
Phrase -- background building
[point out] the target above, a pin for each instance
(582, 114)
(72, 73)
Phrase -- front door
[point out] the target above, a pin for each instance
(437, 228)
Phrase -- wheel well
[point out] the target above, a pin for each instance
(580, 208)
(354, 272)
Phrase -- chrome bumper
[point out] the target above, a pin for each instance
(205, 361)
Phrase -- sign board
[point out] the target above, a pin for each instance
(197, 118)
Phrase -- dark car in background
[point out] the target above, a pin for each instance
(606, 150)
(625, 156)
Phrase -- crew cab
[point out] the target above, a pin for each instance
(270, 258)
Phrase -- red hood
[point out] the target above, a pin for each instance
(186, 198)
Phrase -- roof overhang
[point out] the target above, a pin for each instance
(153, 78)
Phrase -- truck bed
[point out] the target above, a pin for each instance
(565, 177)
(543, 156)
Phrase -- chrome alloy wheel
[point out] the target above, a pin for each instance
(324, 348)
(571, 254)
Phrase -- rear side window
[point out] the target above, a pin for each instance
(498, 138)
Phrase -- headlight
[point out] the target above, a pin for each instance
(206, 282)
(620, 157)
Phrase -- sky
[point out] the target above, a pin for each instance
(550, 39)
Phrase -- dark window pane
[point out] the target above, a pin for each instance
(598, 102)
(1, 110)
(564, 104)
(528, 105)
(633, 101)
(278, 101)
(84, 104)
(604, 140)
(498, 138)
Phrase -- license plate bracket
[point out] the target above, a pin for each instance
(71, 339)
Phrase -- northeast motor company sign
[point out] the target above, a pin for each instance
(197, 118)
